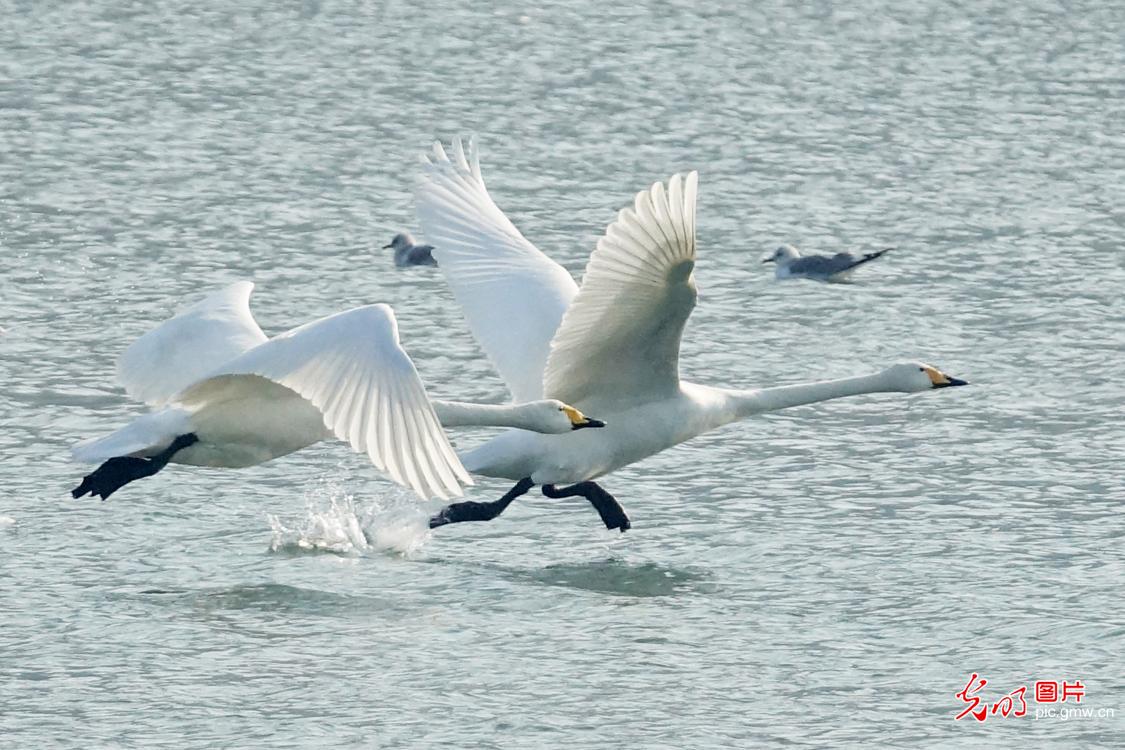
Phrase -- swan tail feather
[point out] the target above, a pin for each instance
(145, 436)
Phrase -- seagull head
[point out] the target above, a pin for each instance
(400, 241)
(782, 255)
(914, 377)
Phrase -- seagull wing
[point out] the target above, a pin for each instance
(513, 296)
(620, 339)
(827, 266)
(351, 367)
(822, 265)
(187, 347)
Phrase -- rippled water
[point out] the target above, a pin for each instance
(821, 577)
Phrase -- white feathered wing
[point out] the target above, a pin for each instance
(619, 341)
(513, 296)
(188, 346)
(351, 367)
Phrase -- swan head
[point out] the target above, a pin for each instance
(401, 241)
(552, 416)
(783, 255)
(914, 377)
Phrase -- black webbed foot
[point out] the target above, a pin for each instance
(113, 475)
(611, 512)
(466, 511)
(472, 511)
(118, 472)
(613, 515)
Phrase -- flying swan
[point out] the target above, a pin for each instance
(226, 395)
(610, 347)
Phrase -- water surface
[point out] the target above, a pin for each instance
(823, 577)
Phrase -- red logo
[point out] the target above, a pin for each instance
(1014, 703)
(1076, 691)
(968, 694)
(1006, 704)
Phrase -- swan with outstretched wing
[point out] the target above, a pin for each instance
(228, 396)
(610, 347)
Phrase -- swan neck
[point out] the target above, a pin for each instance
(748, 403)
(461, 414)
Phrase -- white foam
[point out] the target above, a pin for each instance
(336, 522)
(6, 522)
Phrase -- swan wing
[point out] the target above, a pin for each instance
(351, 367)
(190, 345)
(513, 296)
(620, 339)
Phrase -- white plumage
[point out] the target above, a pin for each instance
(620, 337)
(249, 399)
(352, 369)
(167, 359)
(612, 348)
(513, 296)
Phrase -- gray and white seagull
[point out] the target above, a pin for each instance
(410, 253)
(792, 265)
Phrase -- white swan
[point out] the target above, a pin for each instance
(228, 396)
(610, 347)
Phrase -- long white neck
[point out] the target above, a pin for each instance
(461, 414)
(740, 404)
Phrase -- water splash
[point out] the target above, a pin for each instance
(336, 522)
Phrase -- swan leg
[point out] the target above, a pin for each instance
(613, 515)
(470, 511)
(118, 472)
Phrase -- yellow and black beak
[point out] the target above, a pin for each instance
(578, 420)
(941, 380)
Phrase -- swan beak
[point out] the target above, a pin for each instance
(941, 380)
(578, 420)
(385, 247)
(951, 381)
(768, 260)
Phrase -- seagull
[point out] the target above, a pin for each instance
(226, 395)
(409, 253)
(610, 347)
(792, 265)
